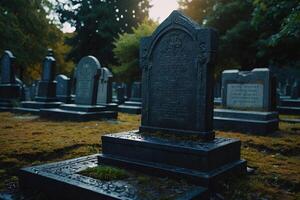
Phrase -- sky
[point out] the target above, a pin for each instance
(159, 11)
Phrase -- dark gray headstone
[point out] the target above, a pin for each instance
(288, 88)
(63, 86)
(87, 77)
(247, 90)
(295, 91)
(136, 91)
(104, 95)
(48, 69)
(7, 68)
(177, 77)
(120, 94)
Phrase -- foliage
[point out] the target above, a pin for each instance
(105, 173)
(253, 33)
(28, 33)
(97, 23)
(127, 52)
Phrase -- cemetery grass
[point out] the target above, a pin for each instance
(27, 141)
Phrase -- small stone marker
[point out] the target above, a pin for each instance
(63, 88)
(105, 87)
(7, 69)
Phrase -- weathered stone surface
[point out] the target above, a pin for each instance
(177, 63)
(87, 78)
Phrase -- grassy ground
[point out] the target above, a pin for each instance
(26, 141)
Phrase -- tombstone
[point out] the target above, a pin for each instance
(134, 104)
(288, 88)
(119, 93)
(295, 91)
(105, 89)
(248, 102)
(177, 63)
(10, 87)
(46, 89)
(85, 107)
(63, 88)
(291, 106)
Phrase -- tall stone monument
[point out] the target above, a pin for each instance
(10, 89)
(46, 92)
(248, 100)
(134, 104)
(85, 107)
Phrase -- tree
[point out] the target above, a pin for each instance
(27, 32)
(97, 23)
(252, 33)
(126, 52)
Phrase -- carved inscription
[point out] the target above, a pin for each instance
(245, 95)
(173, 81)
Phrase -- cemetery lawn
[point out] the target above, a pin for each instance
(26, 140)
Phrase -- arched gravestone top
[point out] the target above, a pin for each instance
(177, 64)
(63, 87)
(7, 67)
(105, 87)
(48, 69)
(87, 78)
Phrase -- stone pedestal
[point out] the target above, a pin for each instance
(245, 121)
(200, 162)
(79, 112)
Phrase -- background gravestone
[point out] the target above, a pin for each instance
(134, 104)
(248, 101)
(87, 78)
(63, 88)
(46, 89)
(105, 87)
(10, 88)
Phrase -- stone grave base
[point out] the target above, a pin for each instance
(245, 121)
(65, 99)
(289, 106)
(217, 101)
(199, 162)
(6, 105)
(79, 112)
(62, 180)
(34, 107)
(131, 107)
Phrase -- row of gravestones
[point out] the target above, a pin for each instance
(93, 85)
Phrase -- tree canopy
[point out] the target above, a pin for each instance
(27, 31)
(98, 22)
(126, 52)
(253, 33)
